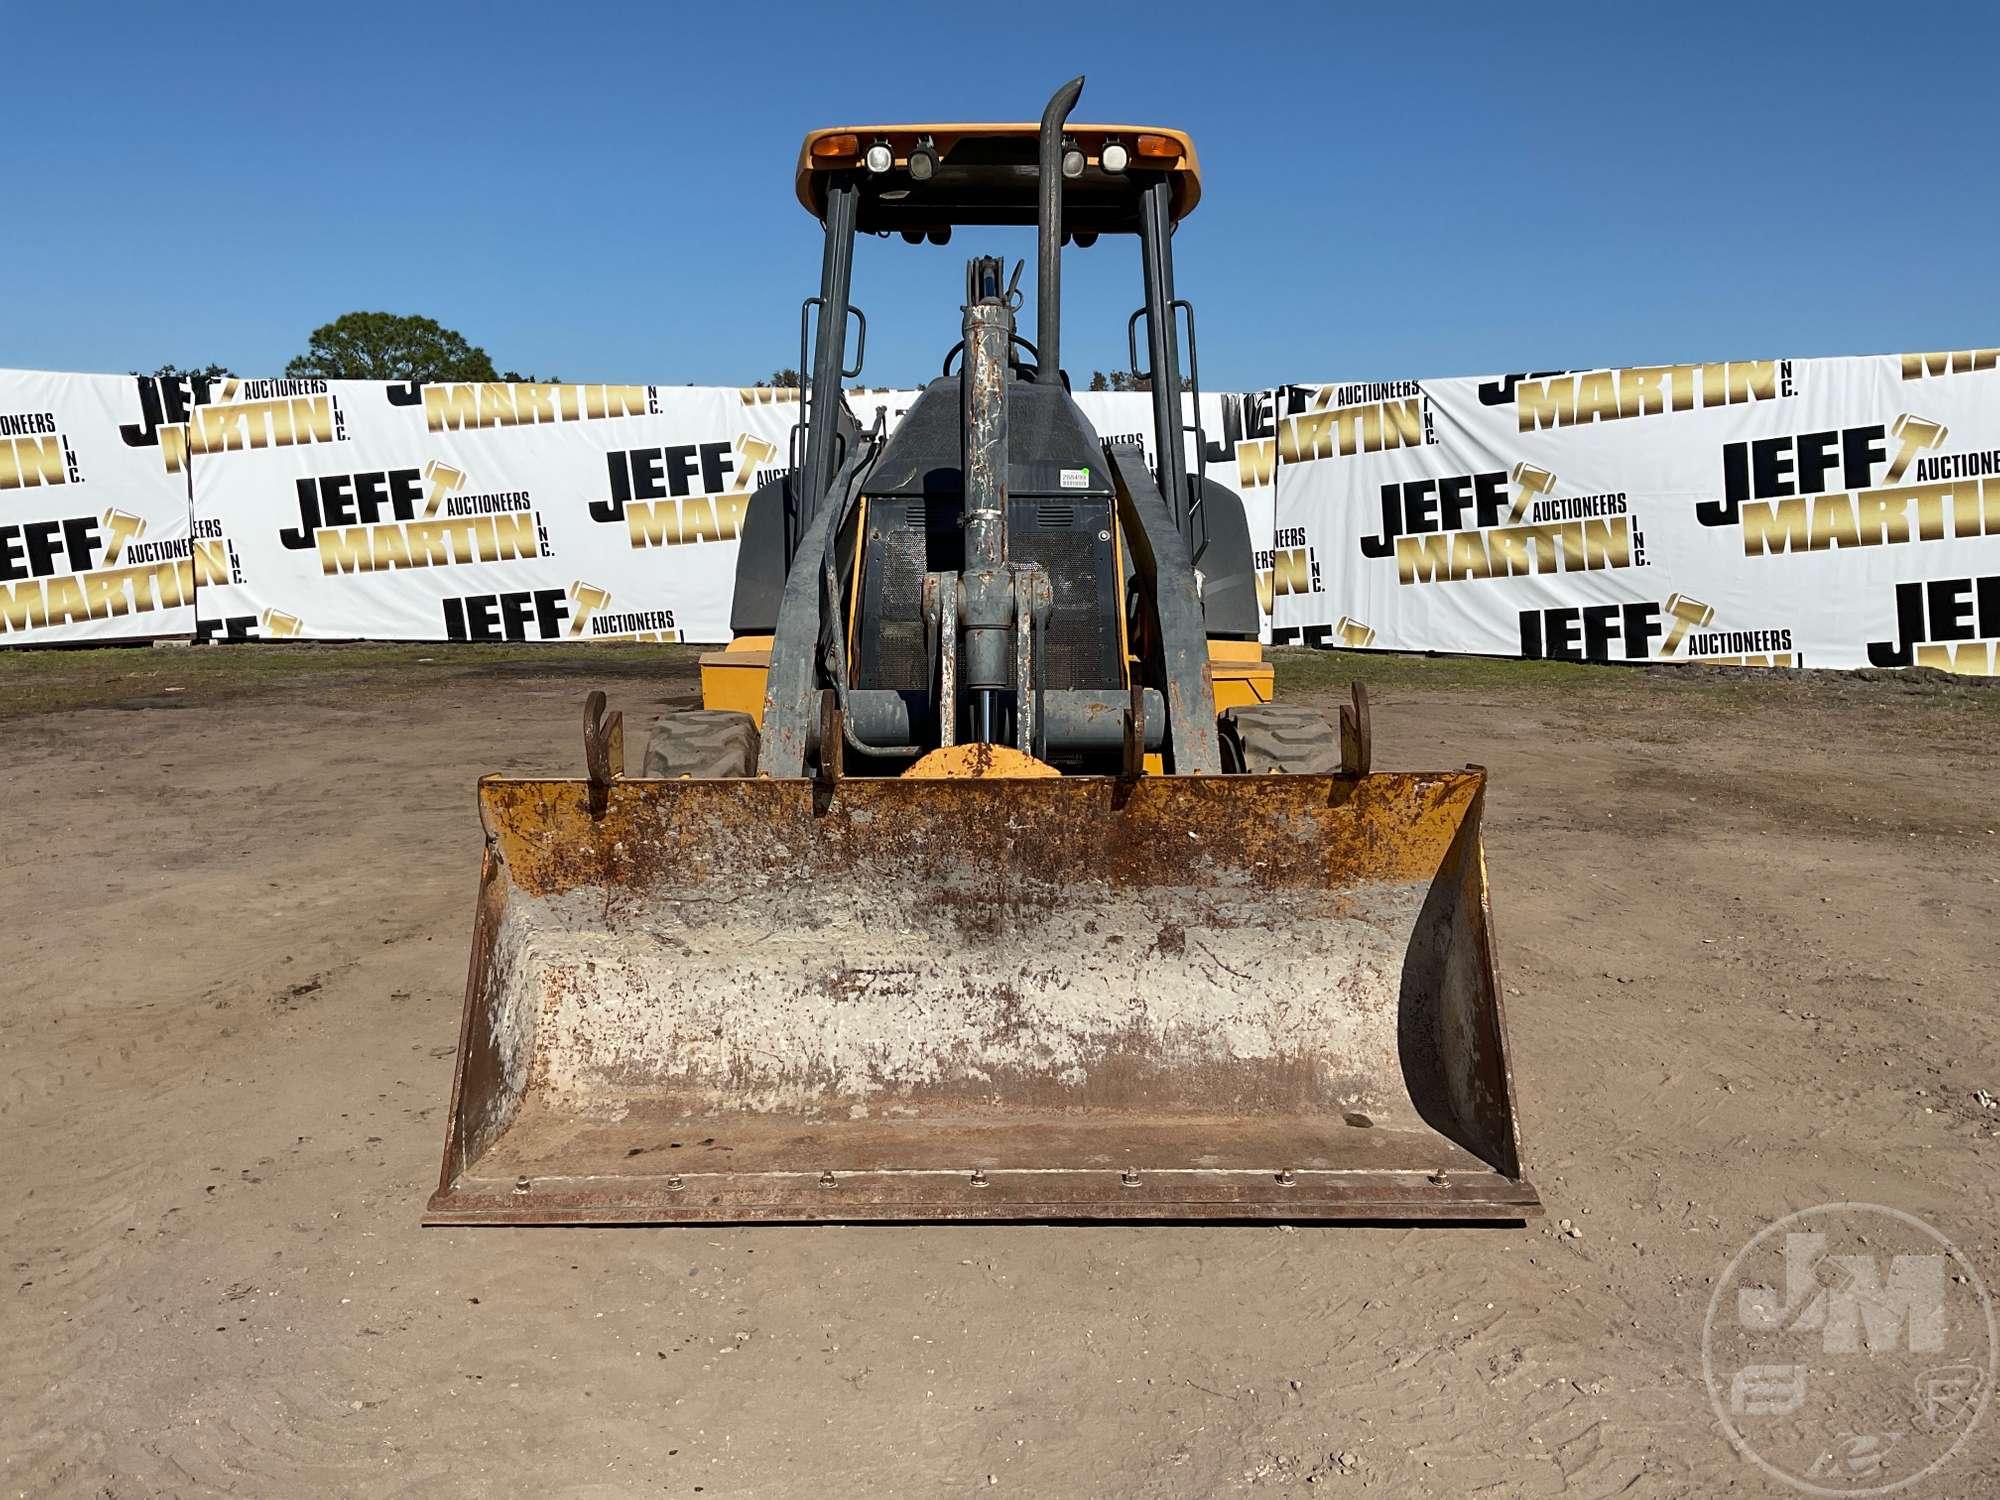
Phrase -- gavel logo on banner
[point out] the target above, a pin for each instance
(120, 527)
(1534, 482)
(1687, 614)
(589, 598)
(752, 454)
(444, 480)
(1916, 434)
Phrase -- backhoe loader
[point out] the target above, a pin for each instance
(988, 882)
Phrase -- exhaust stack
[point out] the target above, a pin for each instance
(1049, 231)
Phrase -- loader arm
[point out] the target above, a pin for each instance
(1166, 573)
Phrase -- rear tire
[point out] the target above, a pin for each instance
(1279, 737)
(706, 743)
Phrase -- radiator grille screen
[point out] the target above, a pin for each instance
(1071, 541)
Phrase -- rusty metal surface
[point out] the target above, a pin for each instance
(1324, 833)
(603, 749)
(971, 1195)
(553, 1167)
(1357, 734)
(1133, 763)
(1204, 981)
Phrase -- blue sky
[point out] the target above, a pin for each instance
(1390, 191)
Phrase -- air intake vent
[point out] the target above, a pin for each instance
(1055, 517)
(939, 513)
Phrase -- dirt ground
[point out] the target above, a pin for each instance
(1749, 931)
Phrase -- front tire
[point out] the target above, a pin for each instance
(703, 743)
(1273, 737)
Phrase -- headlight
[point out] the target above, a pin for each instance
(923, 163)
(1114, 157)
(1072, 162)
(879, 158)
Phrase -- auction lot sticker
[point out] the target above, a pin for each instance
(1850, 1349)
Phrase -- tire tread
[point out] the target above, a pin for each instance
(703, 743)
(1285, 737)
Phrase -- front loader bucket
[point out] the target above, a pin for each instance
(1218, 997)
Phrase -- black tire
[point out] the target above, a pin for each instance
(1279, 737)
(706, 743)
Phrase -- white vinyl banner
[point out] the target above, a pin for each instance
(1219, 454)
(1823, 512)
(94, 534)
(480, 512)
